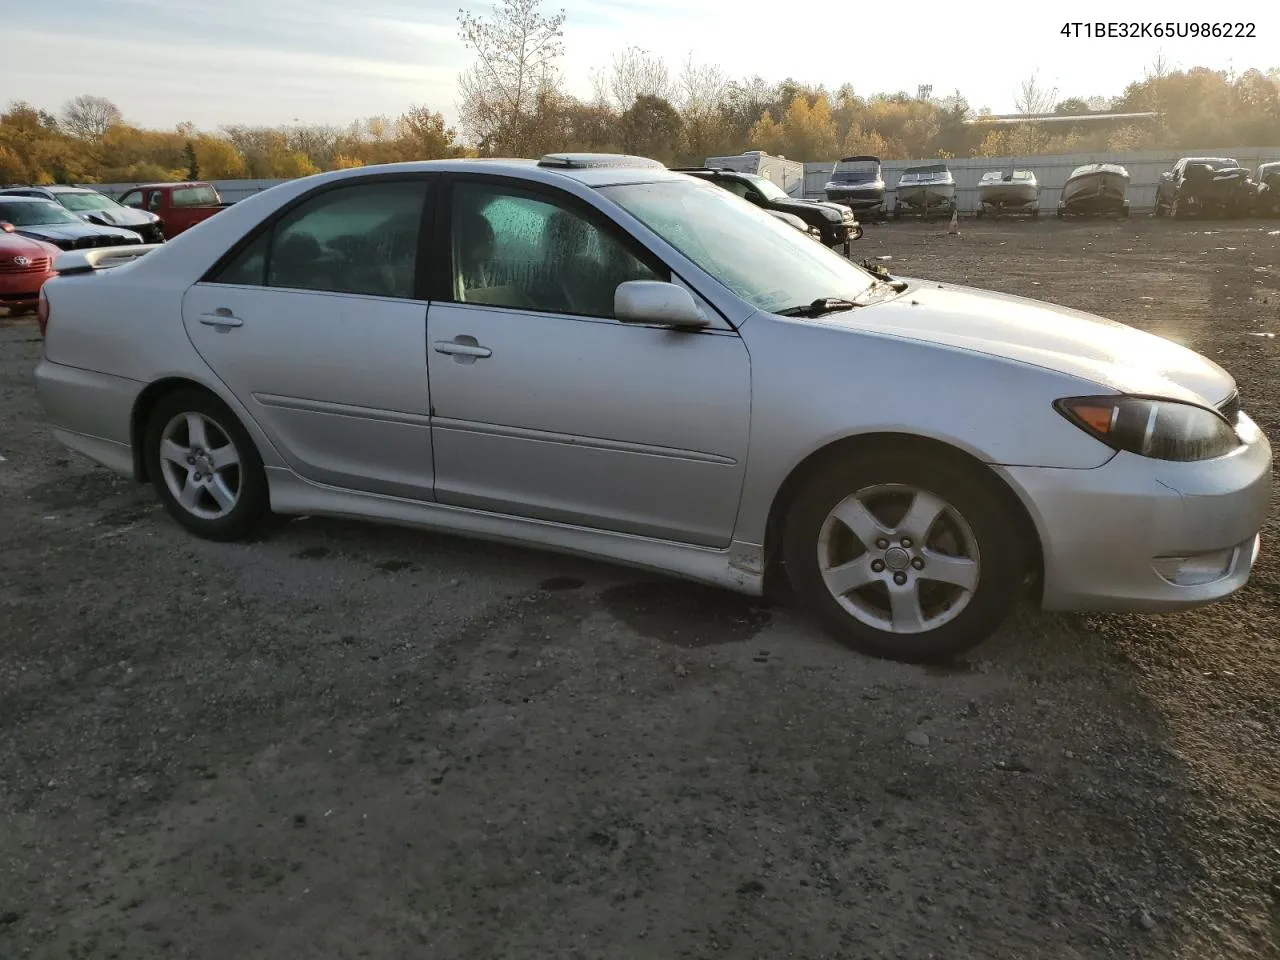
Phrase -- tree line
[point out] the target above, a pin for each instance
(513, 102)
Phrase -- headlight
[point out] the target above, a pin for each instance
(1160, 429)
(833, 215)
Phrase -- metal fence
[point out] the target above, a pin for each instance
(1051, 171)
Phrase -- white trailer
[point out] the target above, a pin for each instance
(788, 174)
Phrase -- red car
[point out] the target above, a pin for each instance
(25, 265)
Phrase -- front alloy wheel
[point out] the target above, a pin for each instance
(898, 558)
(906, 554)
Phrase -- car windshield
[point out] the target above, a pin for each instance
(770, 189)
(83, 202)
(765, 262)
(32, 213)
(855, 171)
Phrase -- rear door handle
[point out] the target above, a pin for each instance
(222, 317)
(462, 346)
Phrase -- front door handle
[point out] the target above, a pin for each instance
(463, 349)
(222, 317)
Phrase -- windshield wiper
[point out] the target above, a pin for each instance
(818, 307)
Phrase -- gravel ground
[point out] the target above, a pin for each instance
(350, 741)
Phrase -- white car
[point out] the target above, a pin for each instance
(601, 356)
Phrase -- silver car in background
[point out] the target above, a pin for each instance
(600, 356)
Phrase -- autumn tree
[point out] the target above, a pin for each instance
(805, 131)
(652, 127)
(423, 135)
(515, 76)
(89, 118)
(193, 162)
(218, 158)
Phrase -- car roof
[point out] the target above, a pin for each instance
(595, 176)
(183, 183)
(19, 198)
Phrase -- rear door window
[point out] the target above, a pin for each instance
(360, 239)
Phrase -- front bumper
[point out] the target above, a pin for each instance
(1107, 533)
(149, 232)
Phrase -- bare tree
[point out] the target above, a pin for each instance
(634, 73)
(89, 117)
(1159, 67)
(517, 49)
(1034, 98)
(700, 88)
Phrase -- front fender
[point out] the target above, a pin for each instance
(815, 385)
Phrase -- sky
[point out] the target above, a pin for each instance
(215, 62)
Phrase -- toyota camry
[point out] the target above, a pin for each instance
(597, 355)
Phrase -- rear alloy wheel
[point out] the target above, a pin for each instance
(205, 467)
(905, 556)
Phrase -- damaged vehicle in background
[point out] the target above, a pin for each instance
(835, 222)
(52, 223)
(858, 183)
(93, 207)
(1095, 190)
(1205, 187)
(1267, 178)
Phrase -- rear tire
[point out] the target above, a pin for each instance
(939, 532)
(205, 467)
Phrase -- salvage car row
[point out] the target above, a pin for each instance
(39, 222)
(1204, 186)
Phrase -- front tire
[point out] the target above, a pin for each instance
(904, 555)
(205, 466)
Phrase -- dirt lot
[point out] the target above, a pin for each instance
(349, 741)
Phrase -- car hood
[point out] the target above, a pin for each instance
(1078, 344)
(121, 217)
(16, 245)
(74, 231)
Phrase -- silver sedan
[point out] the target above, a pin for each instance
(600, 356)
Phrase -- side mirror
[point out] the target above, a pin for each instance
(655, 302)
(6, 227)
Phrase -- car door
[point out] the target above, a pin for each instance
(317, 323)
(545, 406)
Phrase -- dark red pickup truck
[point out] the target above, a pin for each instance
(180, 206)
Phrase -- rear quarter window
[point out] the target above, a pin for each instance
(194, 197)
